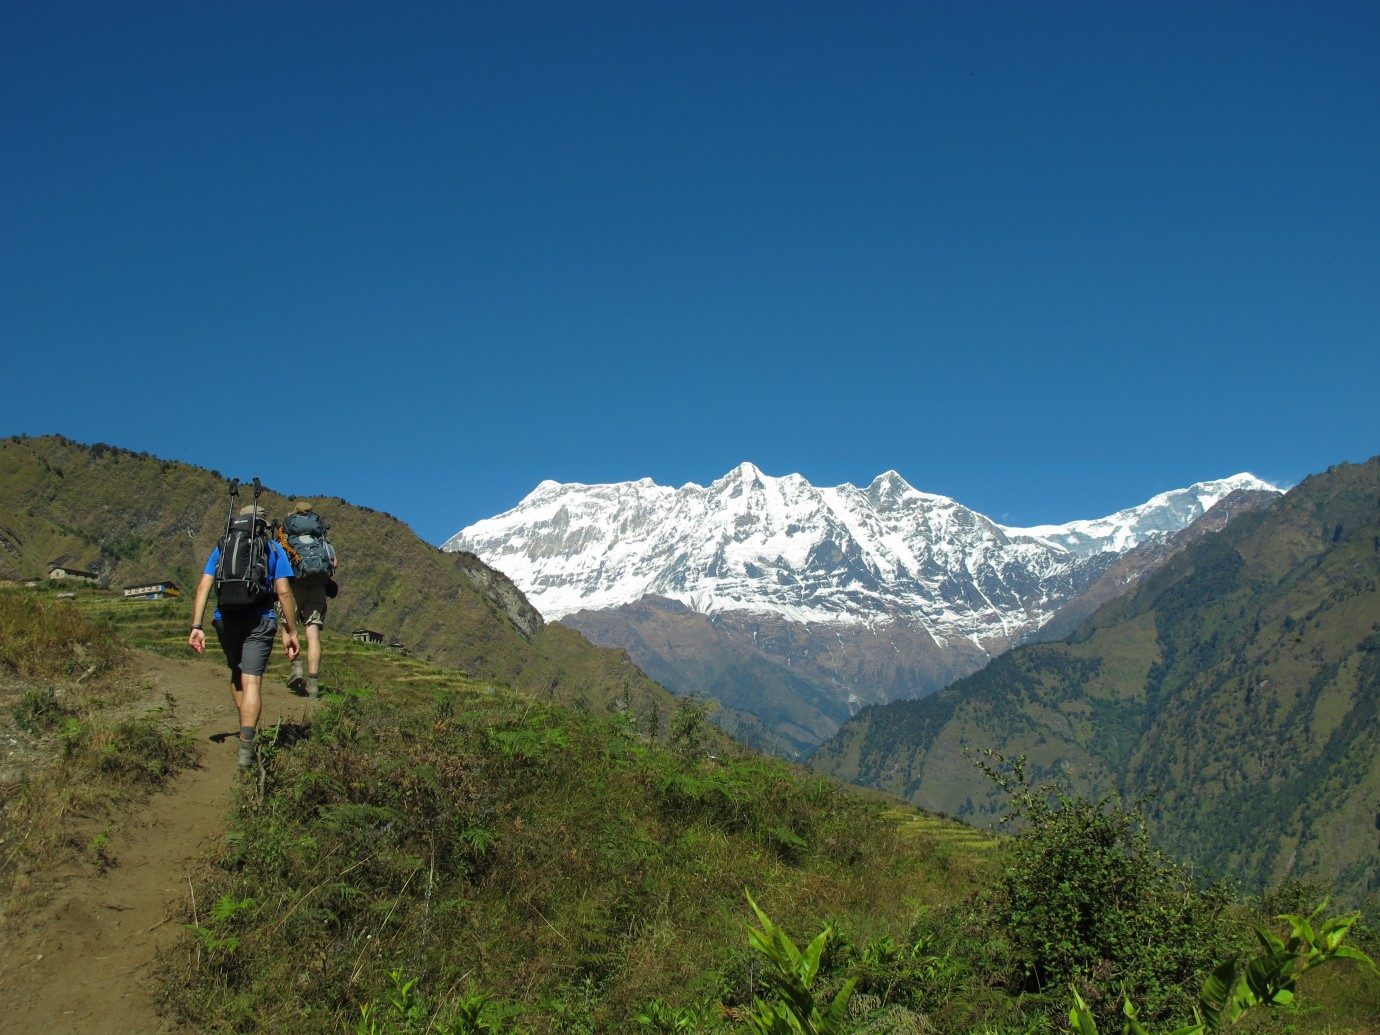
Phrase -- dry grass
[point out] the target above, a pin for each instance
(74, 754)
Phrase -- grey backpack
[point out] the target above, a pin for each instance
(314, 557)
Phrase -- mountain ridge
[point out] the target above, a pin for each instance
(1235, 688)
(751, 542)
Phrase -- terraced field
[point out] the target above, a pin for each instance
(161, 626)
(946, 832)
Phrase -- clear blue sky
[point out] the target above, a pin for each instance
(1046, 259)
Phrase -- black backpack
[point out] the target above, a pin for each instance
(242, 580)
(313, 556)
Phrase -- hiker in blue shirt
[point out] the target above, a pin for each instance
(246, 635)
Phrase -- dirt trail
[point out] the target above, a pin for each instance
(82, 960)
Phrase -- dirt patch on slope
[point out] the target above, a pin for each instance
(81, 960)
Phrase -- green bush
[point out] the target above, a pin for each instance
(1236, 986)
(1086, 900)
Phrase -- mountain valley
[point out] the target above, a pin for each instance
(794, 606)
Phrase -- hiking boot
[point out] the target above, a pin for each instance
(297, 681)
(313, 690)
(248, 751)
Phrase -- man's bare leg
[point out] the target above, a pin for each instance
(313, 659)
(249, 701)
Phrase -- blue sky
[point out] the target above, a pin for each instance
(1045, 259)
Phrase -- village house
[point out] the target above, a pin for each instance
(153, 591)
(367, 636)
(59, 572)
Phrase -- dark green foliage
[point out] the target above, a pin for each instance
(790, 1006)
(1086, 899)
(1267, 979)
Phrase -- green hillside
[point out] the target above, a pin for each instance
(1236, 689)
(426, 851)
(131, 518)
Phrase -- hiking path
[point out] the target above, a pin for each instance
(81, 959)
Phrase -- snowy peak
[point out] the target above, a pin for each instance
(745, 473)
(843, 555)
(1157, 518)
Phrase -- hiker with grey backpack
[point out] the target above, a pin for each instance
(303, 534)
(249, 572)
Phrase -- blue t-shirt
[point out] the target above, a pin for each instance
(279, 567)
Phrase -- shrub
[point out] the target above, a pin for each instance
(1267, 979)
(1086, 900)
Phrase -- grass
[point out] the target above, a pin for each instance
(43, 638)
(84, 751)
(450, 845)
(559, 862)
(474, 845)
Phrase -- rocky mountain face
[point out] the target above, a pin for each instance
(1235, 687)
(795, 605)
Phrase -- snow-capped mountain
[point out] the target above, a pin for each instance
(839, 556)
(1157, 518)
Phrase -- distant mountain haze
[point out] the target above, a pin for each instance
(796, 605)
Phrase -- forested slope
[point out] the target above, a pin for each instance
(1236, 689)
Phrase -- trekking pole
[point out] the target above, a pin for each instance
(259, 544)
(229, 523)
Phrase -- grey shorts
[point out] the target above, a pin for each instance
(311, 604)
(247, 641)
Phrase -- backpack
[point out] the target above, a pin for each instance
(242, 572)
(313, 556)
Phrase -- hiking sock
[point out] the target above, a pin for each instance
(246, 750)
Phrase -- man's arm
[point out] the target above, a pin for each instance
(289, 609)
(197, 638)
